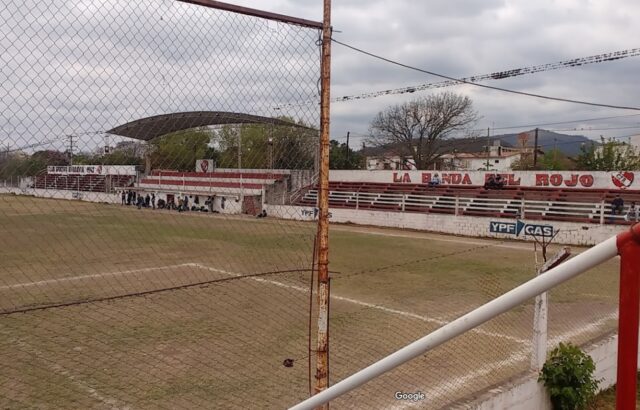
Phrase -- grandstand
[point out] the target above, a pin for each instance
(83, 182)
(250, 182)
(542, 203)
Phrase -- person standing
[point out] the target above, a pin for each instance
(123, 196)
(617, 205)
(153, 200)
(633, 214)
(147, 200)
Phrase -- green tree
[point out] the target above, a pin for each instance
(609, 155)
(265, 146)
(180, 150)
(555, 160)
(343, 157)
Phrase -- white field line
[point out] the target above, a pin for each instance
(92, 276)
(496, 244)
(60, 370)
(369, 305)
(444, 388)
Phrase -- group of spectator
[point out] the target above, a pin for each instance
(617, 208)
(494, 181)
(137, 199)
(184, 203)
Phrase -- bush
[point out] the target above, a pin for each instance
(568, 375)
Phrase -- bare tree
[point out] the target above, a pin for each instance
(416, 128)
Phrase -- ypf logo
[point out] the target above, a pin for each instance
(204, 166)
(623, 179)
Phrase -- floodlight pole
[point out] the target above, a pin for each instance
(322, 343)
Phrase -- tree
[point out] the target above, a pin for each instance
(609, 155)
(180, 150)
(415, 128)
(266, 146)
(343, 157)
(555, 160)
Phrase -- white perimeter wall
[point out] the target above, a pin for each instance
(527, 394)
(570, 233)
(231, 206)
(63, 194)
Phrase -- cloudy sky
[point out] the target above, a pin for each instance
(84, 66)
(461, 38)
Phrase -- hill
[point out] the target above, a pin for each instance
(547, 140)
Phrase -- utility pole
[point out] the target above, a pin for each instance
(322, 238)
(348, 132)
(488, 148)
(535, 150)
(70, 150)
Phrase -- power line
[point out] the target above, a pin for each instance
(565, 122)
(635, 127)
(499, 75)
(360, 135)
(464, 81)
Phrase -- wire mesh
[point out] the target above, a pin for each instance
(413, 283)
(138, 269)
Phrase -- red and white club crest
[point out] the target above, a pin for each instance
(622, 179)
(204, 166)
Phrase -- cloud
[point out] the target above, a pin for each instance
(77, 66)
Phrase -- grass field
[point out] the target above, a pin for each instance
(106, 306)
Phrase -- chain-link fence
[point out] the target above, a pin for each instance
(417, 282)
(139, 143)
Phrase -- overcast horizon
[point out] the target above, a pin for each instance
(463, 38)
(457, 38)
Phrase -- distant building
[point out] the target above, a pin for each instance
(496, 158)
(464, 154)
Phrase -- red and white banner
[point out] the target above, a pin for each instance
(92, 170)
(551, 179)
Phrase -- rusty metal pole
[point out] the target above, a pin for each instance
(322, 357)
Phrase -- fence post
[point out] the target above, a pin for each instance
(322, 248)
(403, 200)
(357, 199)
(601, 212)
(540, 314)
(629, 250)
(457, 204)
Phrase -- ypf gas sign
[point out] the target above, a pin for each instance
(518, 227)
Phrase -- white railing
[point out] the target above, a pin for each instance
(627, 245)
(459, 205)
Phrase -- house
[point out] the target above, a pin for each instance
(465, 154)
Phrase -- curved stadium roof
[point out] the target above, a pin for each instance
(149, 128)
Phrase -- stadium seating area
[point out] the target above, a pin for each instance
(574, 205)
(80, 182)
(248, 182)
